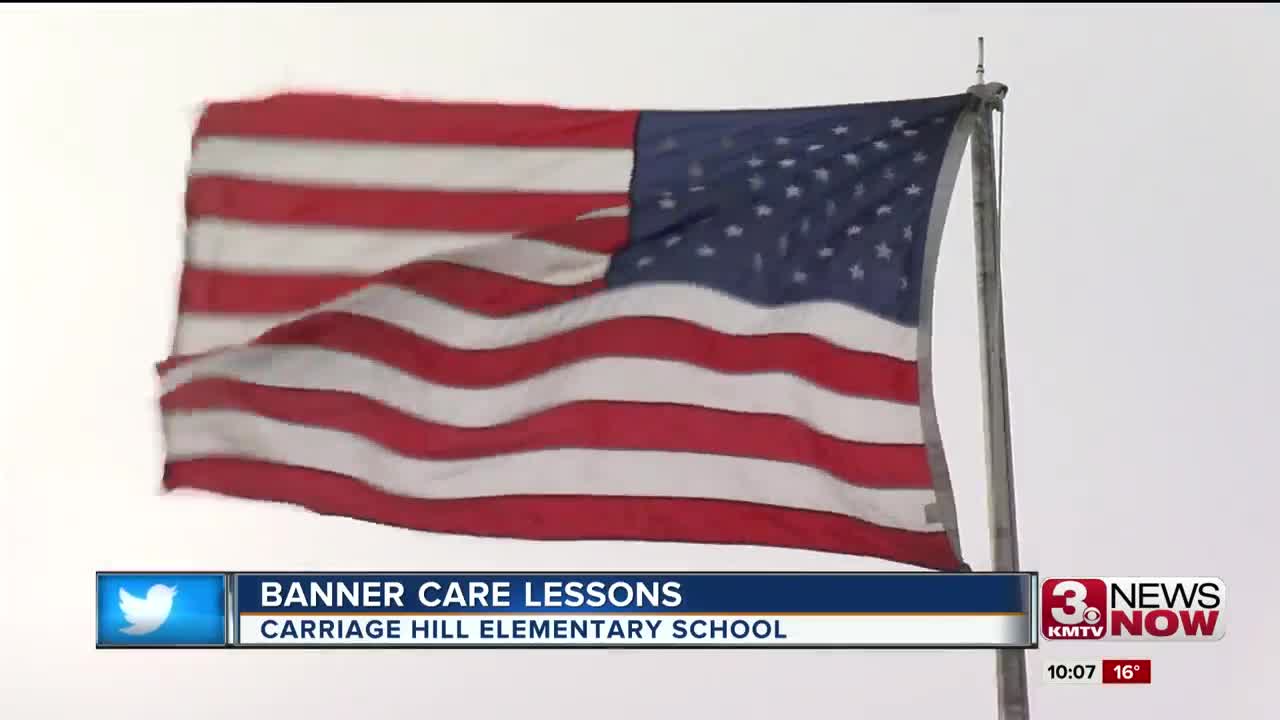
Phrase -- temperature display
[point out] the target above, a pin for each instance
(1098, 672)
(1126, 672)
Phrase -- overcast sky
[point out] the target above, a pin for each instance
(1140, 258)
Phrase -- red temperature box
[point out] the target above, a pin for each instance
(1126, 672)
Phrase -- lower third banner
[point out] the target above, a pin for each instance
(670, 610)
(635, 610)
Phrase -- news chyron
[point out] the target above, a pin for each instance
(602, 610)
(1133, 608)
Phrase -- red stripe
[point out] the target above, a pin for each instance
(660, 427)
(373, 119)
(568, 517)
(844, 371)
(480, 291)
(605, 235)
(271, 202)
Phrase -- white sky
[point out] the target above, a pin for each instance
(1139, 258)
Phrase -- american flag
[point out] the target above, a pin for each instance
(552, 323)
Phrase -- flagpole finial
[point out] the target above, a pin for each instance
(991, 94)
(981, 69)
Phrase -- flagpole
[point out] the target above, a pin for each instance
(1011, 667)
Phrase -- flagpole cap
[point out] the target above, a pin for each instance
(992, 94)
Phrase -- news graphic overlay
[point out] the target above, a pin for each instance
(1133, 608)
(1098, 672)
(851, 610)
(161, 610)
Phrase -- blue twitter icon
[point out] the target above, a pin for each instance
(162, 610)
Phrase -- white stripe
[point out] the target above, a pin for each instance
(842, 325)
(426, 167)
(502, 628)
(639, 380)
(549, 472)
(216, 243)
(615, 211)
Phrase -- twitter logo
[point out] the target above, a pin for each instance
(144, 615)
(162, 610)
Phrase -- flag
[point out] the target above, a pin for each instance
(566, 324)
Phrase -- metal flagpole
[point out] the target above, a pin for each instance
(1011, 667)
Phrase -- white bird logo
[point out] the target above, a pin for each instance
(147, 615)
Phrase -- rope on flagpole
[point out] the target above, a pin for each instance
(1000, 171)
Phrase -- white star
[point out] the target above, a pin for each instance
(853, 230)
(758, 262)
(756, 182)
(840, 130)
(672, 241)
(786, 162)
(793, 191)
(884, 210)
(902, 283)
(826, 252)
(763, 210)
(888, 173)
(907, 233)
(695, 169)
(859, 189)
(667, 203)
(755, 161)
(800, 277)
(697, 188)
(897, 123)
(782, 244)
(831, 208)
(804, 226)
(706, 251)
(914, 189)
(782, 140)
(939, 120)
(852, 159)
(668, 144)
(644, 261)
(733, 231)
(814, 148)
(883, 251)
(857, 271)
(919, 158)
(822, 174)
(910, 132)
(880, 145)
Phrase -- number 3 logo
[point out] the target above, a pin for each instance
(1073, 594)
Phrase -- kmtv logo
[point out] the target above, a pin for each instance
(1132, 608)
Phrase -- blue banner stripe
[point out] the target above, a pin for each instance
(932, 593)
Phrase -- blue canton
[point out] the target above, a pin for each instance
(786, 206)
